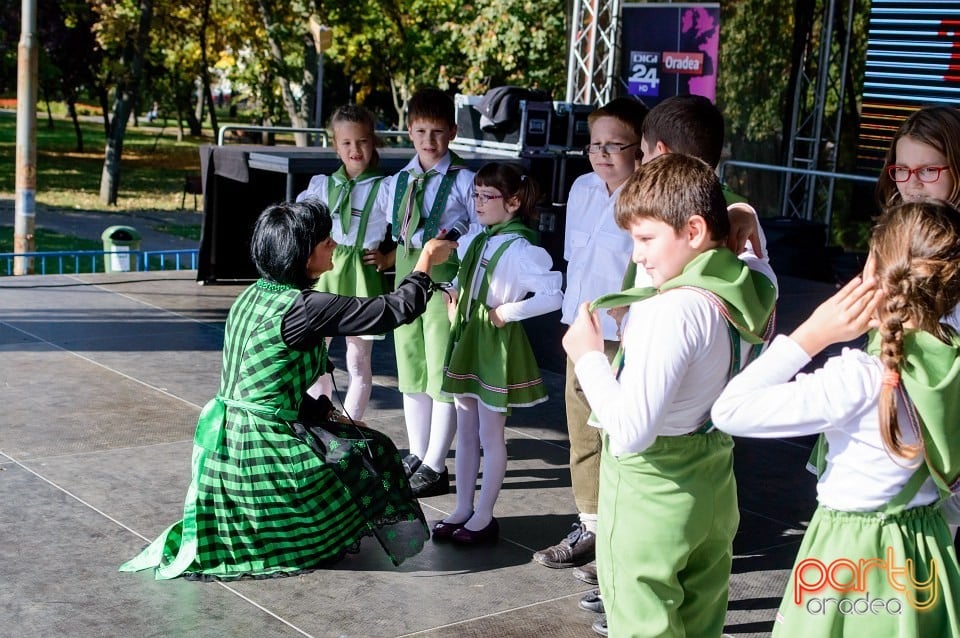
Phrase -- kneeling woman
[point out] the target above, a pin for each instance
(262, 501)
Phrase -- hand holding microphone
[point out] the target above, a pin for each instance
(458, 230)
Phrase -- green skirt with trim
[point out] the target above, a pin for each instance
(495, 365)
(266, 502)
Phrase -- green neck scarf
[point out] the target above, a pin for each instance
(930, 378)
(340, 189)
(468, 267)
(749, 297)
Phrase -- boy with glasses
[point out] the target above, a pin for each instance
(597, 253)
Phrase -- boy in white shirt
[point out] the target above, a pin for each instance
(432, 192)
(668, 504)
(597, 253)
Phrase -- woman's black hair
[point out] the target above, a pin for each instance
(284, 236)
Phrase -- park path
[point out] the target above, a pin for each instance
(91, 224)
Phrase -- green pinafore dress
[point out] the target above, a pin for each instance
(494, 365)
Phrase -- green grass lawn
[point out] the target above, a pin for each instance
(48, 241)
(153, 165)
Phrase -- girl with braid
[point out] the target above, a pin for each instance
(877, 558)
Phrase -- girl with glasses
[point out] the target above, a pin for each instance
(490, 367)
(923, 159)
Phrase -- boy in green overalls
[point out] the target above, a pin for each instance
(668, 503)
(432, 192)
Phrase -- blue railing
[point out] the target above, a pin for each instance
(88, 261)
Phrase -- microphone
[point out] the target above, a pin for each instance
(459, 229)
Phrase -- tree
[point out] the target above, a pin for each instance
(518, 42)
(401, 44)
(130, 32)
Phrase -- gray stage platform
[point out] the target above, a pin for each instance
(101, 381)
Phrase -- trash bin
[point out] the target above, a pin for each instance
(118, 241)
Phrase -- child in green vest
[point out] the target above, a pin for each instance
(504, 278)
(668, 502)
(350, 194)
(877, 558)
(430, 195)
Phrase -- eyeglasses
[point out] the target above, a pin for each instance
(607, 149)
(483, 198)
(926, 174)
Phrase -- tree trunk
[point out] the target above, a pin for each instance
(276, 55)
(72, 109)
(199, 106)
(104, 108)
(205, 68)
(127, 90)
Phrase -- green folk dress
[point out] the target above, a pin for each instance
(263, 503)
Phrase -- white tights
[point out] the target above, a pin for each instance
(361, 378)
(478, 427)
(430, 428)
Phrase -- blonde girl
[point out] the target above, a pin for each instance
(350, 194)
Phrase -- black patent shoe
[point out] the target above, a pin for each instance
(410, 464)
(488, 534)
(428, 482)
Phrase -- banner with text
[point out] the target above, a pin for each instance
(670, 49)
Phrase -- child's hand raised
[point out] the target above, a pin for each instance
(744, 229)
(584, 334)
(843, 317)
(373, 257)
(436, 251)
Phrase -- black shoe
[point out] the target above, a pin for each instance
(591, 601)
(600, 625)
(428, 482)
(465, 536)
(410, 464)
(443, 531)
(587, 573)
(576, 549)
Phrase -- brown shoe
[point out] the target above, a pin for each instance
(587, 573)
(576, 549)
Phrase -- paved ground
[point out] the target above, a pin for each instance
(101, 382)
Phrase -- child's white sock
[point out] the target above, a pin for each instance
(589, 522)
(442, 429)
(417, 407)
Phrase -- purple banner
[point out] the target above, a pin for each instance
(670, 49)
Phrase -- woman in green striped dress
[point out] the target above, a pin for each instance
(262, 501)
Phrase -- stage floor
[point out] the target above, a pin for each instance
(102, 380)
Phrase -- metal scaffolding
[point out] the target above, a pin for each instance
(814, 139)
(594, 51)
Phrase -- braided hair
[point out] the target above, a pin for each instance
(916, 250)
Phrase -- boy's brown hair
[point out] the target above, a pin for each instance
(628, 110)
(688, 124)
(431, 104)
(673, 188)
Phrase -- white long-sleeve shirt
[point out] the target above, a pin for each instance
(459, 204)
(523, 269)
(838, 400)
(677, 358)
(597, 251)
